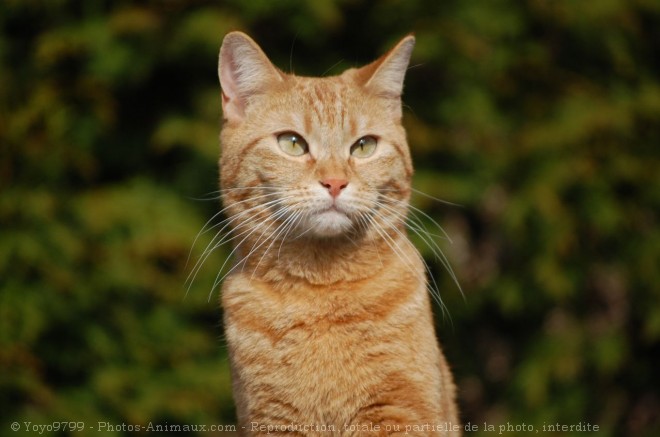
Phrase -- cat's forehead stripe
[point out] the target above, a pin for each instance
(325, 100)
(329, 103)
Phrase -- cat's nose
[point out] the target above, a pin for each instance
(334, 185)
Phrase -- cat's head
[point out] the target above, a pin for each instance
(315, 157)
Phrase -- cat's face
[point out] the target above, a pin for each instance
(319, 157)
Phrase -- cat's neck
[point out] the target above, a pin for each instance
(327, 261)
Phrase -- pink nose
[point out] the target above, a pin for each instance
(334, 185)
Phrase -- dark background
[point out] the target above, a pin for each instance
(540, 119)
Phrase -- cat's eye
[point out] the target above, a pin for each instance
(292, 144)
(364, 147)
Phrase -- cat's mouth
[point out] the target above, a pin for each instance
(330, 222)
(334, 207)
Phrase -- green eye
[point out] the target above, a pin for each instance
(292, 144)
(364, 147)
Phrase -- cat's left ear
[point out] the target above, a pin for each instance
(244, 71)
(385, 76)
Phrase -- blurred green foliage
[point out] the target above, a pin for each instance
(540, 118)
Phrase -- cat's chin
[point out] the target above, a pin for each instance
(330, 223)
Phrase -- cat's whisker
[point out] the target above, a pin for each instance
(391, 242)
(273, 237)
(414, 211)
(413, 218)
(258, 243)
(421, 232)
(243, 260)
(201, 231)
(253, 218)
(417, 227)
(362, 218)
(433, 287)
(332, 66)
(204, 230)
(253, 187)
(283, 211)
(424, 235)
(209, 250)
(435, 291)
(227, 222)
(294, 223)
(402, 236)
(446, 202)
(305, 214)
(211, 195)
(218, 279)
(420, 192)
(249, 230)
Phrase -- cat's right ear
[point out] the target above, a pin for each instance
(244, 71)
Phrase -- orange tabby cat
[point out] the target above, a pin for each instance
(327, 314)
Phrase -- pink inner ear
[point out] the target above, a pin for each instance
(385, 75)
(244, 71)
(233, 106)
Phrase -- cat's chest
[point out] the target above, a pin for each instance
(321, 353)
(326, 331)
(326, 371)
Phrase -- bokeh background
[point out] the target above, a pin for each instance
(540, 119)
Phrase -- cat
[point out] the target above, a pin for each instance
(327, 316)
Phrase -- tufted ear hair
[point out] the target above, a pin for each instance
(244, 71)
(385, 75)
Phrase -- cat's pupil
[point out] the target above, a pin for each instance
(292, 144)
